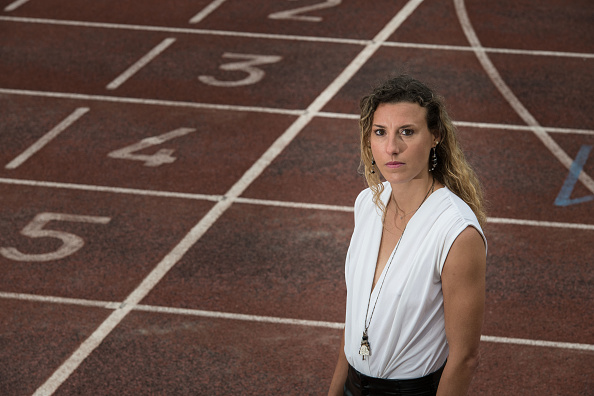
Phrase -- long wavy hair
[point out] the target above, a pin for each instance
(452, 169)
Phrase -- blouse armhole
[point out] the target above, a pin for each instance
(451, 238)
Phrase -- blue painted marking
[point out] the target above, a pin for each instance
(572, 178)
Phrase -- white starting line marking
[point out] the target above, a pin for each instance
(48, 137)
(142, 62)
(14, 5)
(206, 11)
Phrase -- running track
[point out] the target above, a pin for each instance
(177, 183)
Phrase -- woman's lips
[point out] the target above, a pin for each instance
(394, 164)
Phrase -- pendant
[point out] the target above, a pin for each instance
(365, 349)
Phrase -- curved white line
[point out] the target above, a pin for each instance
(507, 93)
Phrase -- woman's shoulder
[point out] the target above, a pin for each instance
(364, 196)
(455, 206)
(364, 200)
(365, 208)
(456, 215)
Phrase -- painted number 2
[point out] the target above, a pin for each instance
(294, 14)
(35, 229)
(246, 64)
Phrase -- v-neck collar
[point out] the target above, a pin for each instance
(379, 229)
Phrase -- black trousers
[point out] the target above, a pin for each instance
(358, 384)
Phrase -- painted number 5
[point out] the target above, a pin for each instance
(247, 65)
(70, 242)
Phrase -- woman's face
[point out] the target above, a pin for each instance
(401, 141)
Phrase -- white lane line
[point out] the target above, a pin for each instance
(108, 189)
(294, 205)
(481, 125)
(262, 202)
(511, 98)
(338, 208)
(235, 316)
(153, 102)
(60, 300)
(536, 223)
(507, 51)
(485, 125)
(262, 319)
(139, 64)
(14, 5)
(538, 343)
(48, 137)
(89, 345)
(167, 29)
(254, 109)
(206, 11)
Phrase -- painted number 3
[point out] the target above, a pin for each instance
(35, 229)
(246, 64)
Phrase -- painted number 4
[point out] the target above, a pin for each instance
(564, 197)
(163, 156)
(35, 229)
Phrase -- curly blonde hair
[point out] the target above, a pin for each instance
(452, 169)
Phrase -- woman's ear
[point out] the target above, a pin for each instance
(436, 138)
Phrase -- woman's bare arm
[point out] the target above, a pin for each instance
(340, 373)
(463, 285)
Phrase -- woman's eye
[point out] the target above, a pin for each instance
(407, 132)
(379, 132)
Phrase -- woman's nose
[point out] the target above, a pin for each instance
(394, 144)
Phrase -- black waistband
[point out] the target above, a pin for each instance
(361, 384)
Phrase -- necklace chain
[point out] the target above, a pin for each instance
(365, 349)
(404, 214)
(381, 285)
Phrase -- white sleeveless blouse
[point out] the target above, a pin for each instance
(407, 332)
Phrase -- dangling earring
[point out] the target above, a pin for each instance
(433, 159)
(372, 165)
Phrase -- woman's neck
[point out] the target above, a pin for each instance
(408, 197)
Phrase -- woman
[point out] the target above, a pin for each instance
(415, 268)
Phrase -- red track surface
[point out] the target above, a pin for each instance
(221, 270)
